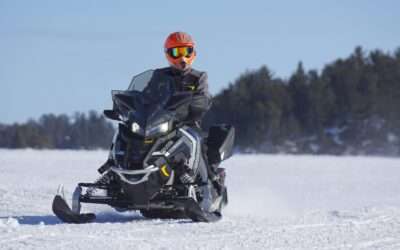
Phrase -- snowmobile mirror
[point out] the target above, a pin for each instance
(111, 114)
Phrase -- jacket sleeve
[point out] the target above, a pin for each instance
(201, 101)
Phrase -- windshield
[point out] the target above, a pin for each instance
(139, 82)
(154, 89)
(147, 98)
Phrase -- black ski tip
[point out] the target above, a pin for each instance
(194, 212)
(64, 212)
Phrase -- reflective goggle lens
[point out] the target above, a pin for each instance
(180, 51)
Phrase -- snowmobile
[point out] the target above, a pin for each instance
(151, 153)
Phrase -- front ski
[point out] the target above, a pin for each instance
(64, 212)
(196, 213)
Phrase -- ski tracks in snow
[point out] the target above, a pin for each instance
(320, 203)
(379, 229)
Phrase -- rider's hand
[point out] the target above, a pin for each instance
(184, 173)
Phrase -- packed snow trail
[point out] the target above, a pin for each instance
(275, 202)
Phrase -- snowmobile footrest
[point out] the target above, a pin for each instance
(64, 212)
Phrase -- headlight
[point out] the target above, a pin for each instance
(163, 127)
(135, 127)
(159, 129)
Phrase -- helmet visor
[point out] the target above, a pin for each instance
(180, 51)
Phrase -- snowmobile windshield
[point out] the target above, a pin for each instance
(145, 105)
(155, 91)
(140, 81)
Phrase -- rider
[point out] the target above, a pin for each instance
(179, 48)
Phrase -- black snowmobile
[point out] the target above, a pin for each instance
(150, 158)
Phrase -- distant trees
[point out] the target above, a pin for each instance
(82, 131)
(350, 107)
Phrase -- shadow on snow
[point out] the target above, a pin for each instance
(104, 217)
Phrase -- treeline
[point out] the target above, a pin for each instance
(350, 107)
(81, 131)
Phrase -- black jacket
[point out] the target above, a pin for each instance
(194, 81)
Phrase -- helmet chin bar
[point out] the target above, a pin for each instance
(182, 66)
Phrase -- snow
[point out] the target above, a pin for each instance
(275, 202)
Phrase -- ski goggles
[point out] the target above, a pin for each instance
(180, 51)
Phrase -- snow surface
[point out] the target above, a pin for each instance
(276, 202)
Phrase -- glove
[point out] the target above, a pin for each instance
(185, 174)
(186, 178)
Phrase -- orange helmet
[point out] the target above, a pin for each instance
(179, 50)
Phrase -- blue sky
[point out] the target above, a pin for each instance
(66, 56)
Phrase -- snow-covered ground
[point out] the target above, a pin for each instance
(276, 202)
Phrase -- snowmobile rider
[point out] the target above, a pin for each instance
(179, 48)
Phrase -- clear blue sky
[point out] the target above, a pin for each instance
(66, 56)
